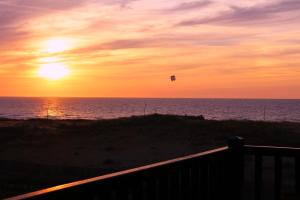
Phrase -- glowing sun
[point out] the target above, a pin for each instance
(53, 71)
(56, 45)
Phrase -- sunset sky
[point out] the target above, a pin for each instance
(130, 48)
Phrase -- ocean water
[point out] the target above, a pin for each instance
(105, 108)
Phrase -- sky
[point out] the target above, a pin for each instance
(130, 48)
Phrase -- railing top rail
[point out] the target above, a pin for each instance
(118, 174)
(271, 150)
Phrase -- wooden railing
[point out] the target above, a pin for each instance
(277, 153)
(210, 175)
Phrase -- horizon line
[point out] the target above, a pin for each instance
(116, 97)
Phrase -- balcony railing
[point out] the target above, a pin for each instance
(210, 175)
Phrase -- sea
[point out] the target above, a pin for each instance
(108, 108)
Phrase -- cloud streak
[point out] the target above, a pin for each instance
(246, 15)
(163, 41)
(189, 6)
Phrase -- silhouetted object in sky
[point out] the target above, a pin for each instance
(173, 78)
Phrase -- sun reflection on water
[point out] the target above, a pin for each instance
(52, 108)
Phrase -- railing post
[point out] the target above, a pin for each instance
(297, 175)
(236, 167)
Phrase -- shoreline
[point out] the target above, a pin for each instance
(58, 119)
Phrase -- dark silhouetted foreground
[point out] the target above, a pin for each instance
(40, 153)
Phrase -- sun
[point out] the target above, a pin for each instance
(56, 45)
(51, 59)
(53, 71)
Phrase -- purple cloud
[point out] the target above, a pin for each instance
(190, 6)
(14, 14)
(239, 15)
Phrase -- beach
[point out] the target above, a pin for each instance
(38, 153)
